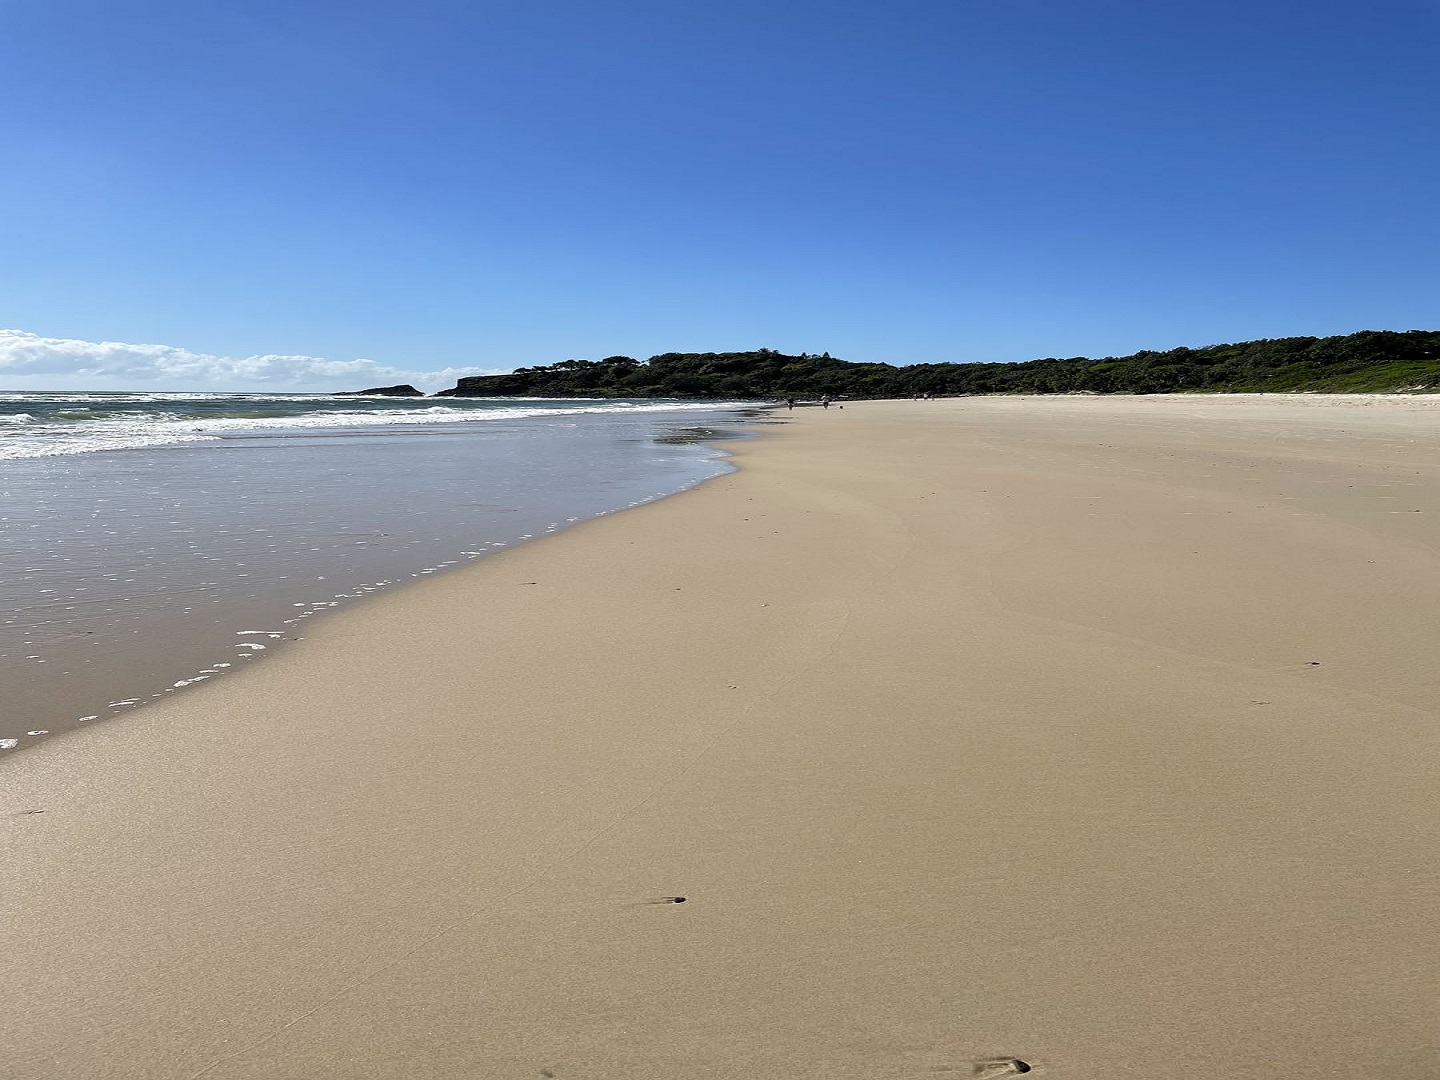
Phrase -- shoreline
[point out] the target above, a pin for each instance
(972, 728)
(128, 595)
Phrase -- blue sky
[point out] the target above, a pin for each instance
(441, 186)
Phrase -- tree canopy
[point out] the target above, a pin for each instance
(1371, 360)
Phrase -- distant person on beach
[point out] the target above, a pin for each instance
(789, 403)
(825, 402)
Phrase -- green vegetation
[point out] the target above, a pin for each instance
(1372, 360)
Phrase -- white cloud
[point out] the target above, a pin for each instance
(31, 362)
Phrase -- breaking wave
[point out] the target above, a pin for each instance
(75, 423)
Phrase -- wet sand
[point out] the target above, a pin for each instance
(128, 575)
(1098, 733)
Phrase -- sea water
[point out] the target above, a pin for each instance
(152, 542)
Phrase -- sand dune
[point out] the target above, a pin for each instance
(1094, 733)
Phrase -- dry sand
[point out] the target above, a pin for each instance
(1097, 732)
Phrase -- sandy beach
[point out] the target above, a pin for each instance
(1095, 732)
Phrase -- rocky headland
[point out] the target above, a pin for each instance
(400, 390)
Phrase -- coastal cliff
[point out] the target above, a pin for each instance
(515, 384)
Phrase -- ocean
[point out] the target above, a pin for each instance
(150, 542)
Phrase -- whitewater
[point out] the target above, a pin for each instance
(48, 424)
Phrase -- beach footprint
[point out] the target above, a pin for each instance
(998, 1068)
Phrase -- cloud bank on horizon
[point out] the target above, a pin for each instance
(32, 362)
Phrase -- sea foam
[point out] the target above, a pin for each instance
(111, 422)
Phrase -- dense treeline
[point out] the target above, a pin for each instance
(1372, 360)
